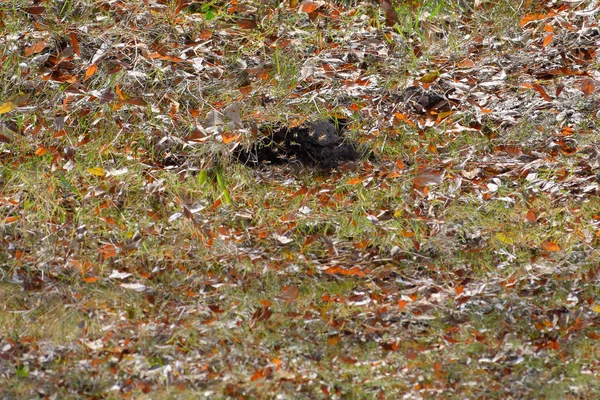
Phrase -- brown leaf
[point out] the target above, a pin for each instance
(391, 18)
(289, 294)
(539, 88)
(588, 86)
(428, 178)
(35, 10)
(74, 43)
(246, 23)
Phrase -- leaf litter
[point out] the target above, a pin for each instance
(460, 259)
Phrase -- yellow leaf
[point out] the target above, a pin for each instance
(7, 107)
(97, 171)
(596, 308)
(430, 77)
(504, 238)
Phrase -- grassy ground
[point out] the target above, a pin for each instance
(138, 261)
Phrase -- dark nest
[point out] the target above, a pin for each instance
(319, 144)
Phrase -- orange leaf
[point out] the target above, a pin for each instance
(333, 340)
(90, 279)
(531, 17)
(548, 39)
(229, 137)
(354, 181)
(91, 70)
(354, 271)
(41, 151)
(8, 220)
(118, 90)
(261, 373)
(550, 246)
(308, 6)
(401, 117)
(35, 48)
(402, 304)
(531, 216)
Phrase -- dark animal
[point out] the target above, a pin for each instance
(318, 143)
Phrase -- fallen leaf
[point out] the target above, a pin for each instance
(7, 107)
(246, 23)
(531, 17)
(333, 340)
(138, 287)
(96, 171)
(74, 43)
(35, 10)
(401, 117)
(354, 181)
(229, 137)
(35, 48)
(550, 246)
(531, 216)
(588, 86)
(548, 39)
(91, 70)
(430, 77)
(539, 88)
(289, 294)
(261, 373)
(428, 178)
(391, 17)
(308, 6)
(402, 304)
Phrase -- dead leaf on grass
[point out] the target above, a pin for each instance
(289, 294)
